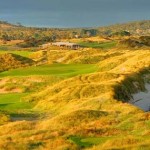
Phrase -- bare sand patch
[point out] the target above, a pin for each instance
(142, 99)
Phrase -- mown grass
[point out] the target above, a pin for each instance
(104, 45)
(77, 140)
(21, 52)
(85, 142)
(64, 70)
(13, 101)
(14, 106)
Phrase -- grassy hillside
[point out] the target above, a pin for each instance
(6, 25)
(79, 100)
(143, 41)
(62, 99)
(18, 84)
(11, 61)
(135, 27)
(42, 35)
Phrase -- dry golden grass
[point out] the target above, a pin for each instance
(9, 43)
(11, 61)
(92, 39)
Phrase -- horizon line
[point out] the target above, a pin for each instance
(40, 26)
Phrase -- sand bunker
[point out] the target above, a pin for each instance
(142, 99)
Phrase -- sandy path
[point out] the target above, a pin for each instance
(3, 81)
(4, 91)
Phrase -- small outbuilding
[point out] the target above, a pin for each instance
(67, 44)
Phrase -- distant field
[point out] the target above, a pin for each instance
(21, 53)
(12, 101)
(9, 47)
(104, 45)
(3, 48)
(64, 70)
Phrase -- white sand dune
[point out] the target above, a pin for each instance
(142, 99)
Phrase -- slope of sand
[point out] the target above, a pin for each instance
(142, 99)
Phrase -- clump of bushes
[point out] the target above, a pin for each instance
(145, 40)
(120, 34)
(35, 42)
(135, 42)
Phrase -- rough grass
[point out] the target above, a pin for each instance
(11, 61)
(82, 112)
(78, 117)
(4, 118)
(85, 56)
